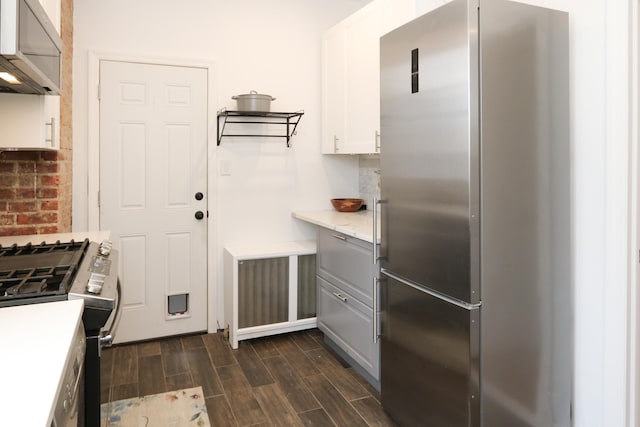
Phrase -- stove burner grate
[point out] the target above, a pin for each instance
(33, 280)
(35, 272)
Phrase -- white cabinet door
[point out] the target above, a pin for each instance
(333, 72)
(351, 76)
(52, 121)
(29, 122)
(52, 7)
(362, 81)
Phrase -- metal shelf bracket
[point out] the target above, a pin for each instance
(288, 120)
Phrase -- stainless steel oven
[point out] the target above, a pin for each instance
(69, 405)
(86, 270)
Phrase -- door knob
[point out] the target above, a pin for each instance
(199, 215)
(199, 196)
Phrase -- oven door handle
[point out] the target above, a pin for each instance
(76, 388)
(106, 338)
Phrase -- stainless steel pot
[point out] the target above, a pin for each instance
(254, 102)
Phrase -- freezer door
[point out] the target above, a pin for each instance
(429, 160)
(429, 358)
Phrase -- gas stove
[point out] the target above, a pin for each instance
(45, 272)
(57, 271)
(38, 273)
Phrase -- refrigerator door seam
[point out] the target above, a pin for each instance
(435, 294)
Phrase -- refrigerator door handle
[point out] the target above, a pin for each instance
(375, 230)
(435, 294)
(376, 244)
(376, 326)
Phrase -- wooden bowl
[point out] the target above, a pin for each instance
(347, 205)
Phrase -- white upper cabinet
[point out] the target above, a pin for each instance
(351, 76)
(53, 9)
(333, 73)
(29, 122)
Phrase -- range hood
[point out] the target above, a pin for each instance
(30, 49)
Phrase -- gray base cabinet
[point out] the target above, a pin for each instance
(346, 311)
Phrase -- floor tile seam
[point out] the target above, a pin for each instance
(210, 351)
(343, 397)
(367, 394)
(114, 364)
(268, 356)
(297, 374)
(323, 410)
(215, 372)
(180, 371)
(335, 370)
(306, 357)
(259, 360)
(228, 399)
(359, 413)
(264, 411)
(335, 387)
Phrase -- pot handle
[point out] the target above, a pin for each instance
(253, 92)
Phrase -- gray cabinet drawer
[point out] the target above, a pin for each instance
(349, 324)
(348, 263)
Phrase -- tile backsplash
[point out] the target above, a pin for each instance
(369, 179)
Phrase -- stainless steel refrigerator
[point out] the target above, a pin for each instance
(476, 297)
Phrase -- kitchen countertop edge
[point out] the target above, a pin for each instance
(355, 224)
(94, 236)
(31, 396)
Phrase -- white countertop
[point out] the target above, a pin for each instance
(95, 236)
(271, 250)
(34, 344)
(356, 224)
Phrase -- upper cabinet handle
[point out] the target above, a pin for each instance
(52, 124)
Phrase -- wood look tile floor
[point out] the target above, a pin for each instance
(283, 380)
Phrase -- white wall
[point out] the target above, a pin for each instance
(273, 47)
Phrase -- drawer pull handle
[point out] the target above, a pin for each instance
(337, 236)
(340, 297)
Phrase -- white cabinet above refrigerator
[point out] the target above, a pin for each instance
(351, 76)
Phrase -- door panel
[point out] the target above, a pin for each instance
(153, 151)
(429, 358)
(430, 174)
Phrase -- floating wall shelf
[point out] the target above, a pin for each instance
(289, 121)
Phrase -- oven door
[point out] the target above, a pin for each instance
(70, 404)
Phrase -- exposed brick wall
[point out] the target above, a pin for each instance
(35, 187)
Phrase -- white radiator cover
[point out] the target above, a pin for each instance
(269, 289)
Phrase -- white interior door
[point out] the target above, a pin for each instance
(153, 164)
